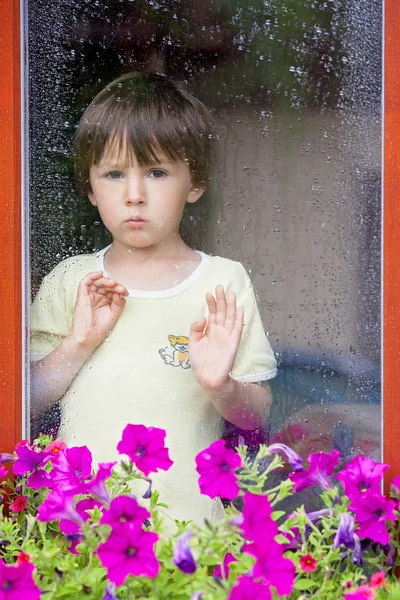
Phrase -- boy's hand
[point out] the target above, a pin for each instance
(213, 343)
(99, 304)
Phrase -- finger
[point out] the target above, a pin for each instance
(238, 326)
(220, 317)
(91, 277)
(212, 308)
(118, 300)
(197, 330)
(230, 311)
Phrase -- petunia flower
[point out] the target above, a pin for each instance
(16, 582)
(30, 461)
(109, 593)
(308, 563)
(377, 580)
(247, 589)
(257, 519)
(19, 504)
(271, 565)
(129, 551)
(223, 571)
(197, 595)
(72, 467)
(295, 461)
(216, 466)
(3, 472)
(6, 458)
(321, 467)
(97, 485)
(125, 509)
(71, 527)
(345, 535)
(361, 475)
(59, 506)
(182, 554)
(146, 448)
(372, 511)
(23, 557)
(363, 592)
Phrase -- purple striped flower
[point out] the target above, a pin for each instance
(320, 469)
(295, 461)
(182, 555)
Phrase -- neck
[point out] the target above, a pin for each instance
(170, 249)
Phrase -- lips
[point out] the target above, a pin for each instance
(136, 222)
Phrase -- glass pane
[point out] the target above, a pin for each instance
(295, 91)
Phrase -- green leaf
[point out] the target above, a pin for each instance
(305, 584)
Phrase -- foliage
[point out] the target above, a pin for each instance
(77, 532)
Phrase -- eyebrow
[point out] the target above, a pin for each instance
(107, 165)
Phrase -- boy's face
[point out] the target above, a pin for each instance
(141, 206)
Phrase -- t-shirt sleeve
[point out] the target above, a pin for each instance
(255, 360)
(51, 313)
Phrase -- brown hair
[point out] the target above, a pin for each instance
(145, 113)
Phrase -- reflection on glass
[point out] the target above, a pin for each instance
(294, 88)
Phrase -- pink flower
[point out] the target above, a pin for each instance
(125, 509)
(30, 460)
(372, 511)
(361, 475)
(59, 506)
(223, 571)
(247, 589)
(72, 529)
(308, 563)
(129, 551)
(3, 472)
(97, 485)
(72, 467)
(377, 580)
(257, 519)
(19, 504)
(363, 592)
(145, 447)
(321, 467)
(16, 582)
(54, 448)
(23, 557)
(271, 565)
(216, 466)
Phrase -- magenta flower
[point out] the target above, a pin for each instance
(97, 485)
(223, 571)
(361, 475)
(145, 447)
(16, 582)
(363, 592)
(30, 460)
(182, 554)
(72, 467)
(321, 467)
(54, 448)
(295, 461)
(59, 506)
(3, 472)
(19, 504)
(345, 535)
(129, 551)
(69, 527)
(216, 466)
(247, 589)
(257, 521)
(271, 565)
(372, 511)
(125, 509)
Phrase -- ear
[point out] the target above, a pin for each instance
(195, 193)
(92, 198)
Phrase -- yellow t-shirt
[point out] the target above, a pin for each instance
(141, 372)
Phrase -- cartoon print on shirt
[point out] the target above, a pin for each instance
(180, 354)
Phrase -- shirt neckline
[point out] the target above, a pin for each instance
(169, 292)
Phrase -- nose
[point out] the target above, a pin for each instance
(135, 193)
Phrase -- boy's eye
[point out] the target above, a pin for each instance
(114, 174)
(157, 173)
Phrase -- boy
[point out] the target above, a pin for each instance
(136, 333)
